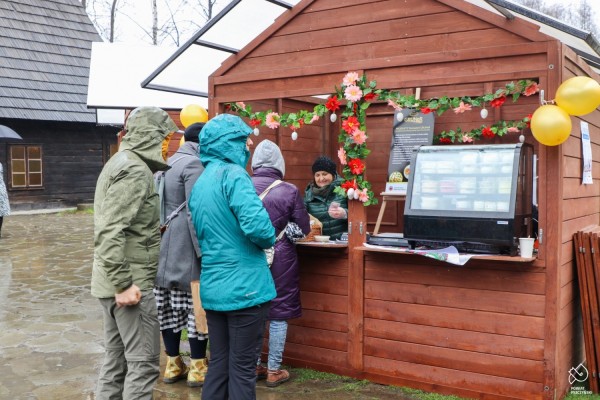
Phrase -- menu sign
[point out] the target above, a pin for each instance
(411, 130)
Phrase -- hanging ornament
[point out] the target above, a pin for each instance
(351, 193)
(483, 113)
(333, 117)
(256, 131)
(294, 135)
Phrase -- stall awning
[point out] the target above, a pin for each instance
(227, 33)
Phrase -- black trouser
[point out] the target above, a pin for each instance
(234, 337)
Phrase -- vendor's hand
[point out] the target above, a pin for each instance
(129, 297)
(337, 212)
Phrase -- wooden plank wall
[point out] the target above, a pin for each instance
(436, 326)
(580, 206)
(319, 339)
(72, 158)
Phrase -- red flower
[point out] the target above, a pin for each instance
(498, 102)
(487, 132)
(227, 106)
(332, 104)
(426, 110)
(356, 166)
(528, 121)
(370, 96)
(445, 140)
(350, 125)
(301, 122)
(254, 122)
(349, 185)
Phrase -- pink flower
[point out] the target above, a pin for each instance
(314, 118)
(359, 136)
(462, 108)
(272, 120)
(342, 156)
(531, 89)
(241, 104)
(350, 78)
(353, 93)
(467, 139)
(513, 129)
(363, 195)
(396, 106)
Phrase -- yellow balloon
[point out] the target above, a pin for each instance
(191, 114)
(551, 125)
(578, 95)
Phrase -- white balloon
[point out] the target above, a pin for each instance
(351, 193)
(483, 113)
(256, 131)
(355, 194)
(294, 135)
(333, 117)
(399, 117)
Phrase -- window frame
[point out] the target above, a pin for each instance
(27, 172)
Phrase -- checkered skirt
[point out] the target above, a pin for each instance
(176, 311)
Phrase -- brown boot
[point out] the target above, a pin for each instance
(277, 377)
(175, 370)
(261, 372)
(198, 368)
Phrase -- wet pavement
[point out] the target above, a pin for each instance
(51, 344)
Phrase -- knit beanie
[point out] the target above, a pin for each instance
(193, 131)
(326, 164)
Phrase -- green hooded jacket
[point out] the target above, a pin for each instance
(126, 208)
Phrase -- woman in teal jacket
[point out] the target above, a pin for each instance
(236, 285)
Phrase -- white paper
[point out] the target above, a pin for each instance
(586, 177)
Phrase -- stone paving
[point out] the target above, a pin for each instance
(51, 343)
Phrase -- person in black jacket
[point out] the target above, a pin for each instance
(322, 203)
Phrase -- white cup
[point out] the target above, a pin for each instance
(526, 247)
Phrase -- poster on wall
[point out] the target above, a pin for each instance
(411, 130)
(586, 149)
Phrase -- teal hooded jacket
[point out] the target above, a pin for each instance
(232, 225)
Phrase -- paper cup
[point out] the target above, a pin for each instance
(526, 247)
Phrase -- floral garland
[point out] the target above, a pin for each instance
(359, 94)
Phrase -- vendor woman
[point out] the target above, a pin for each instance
(322, 203)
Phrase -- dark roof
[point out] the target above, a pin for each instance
(45, 48)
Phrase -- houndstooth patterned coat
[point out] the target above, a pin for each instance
(4, 205)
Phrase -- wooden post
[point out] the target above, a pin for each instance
(357, 228)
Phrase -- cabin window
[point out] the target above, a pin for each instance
(26, 167)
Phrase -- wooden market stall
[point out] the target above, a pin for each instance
(499, 327)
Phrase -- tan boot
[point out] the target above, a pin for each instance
(175, 370)
(197, 373)
(277, 377)
(261, 372)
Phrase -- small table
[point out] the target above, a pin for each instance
(387, 196)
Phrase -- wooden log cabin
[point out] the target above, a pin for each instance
(497, 328)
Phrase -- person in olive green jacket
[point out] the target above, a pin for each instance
(126, 250)
(322, 203)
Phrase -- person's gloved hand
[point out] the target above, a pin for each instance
(337, 212)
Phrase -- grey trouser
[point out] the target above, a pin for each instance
(132, 342)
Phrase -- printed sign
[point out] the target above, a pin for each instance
(411, 130)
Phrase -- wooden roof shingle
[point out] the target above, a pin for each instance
(45, 50)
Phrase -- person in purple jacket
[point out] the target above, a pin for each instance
(286, 209)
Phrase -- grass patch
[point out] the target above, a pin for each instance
(89, 211)
(304, 375)
(421, 395)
